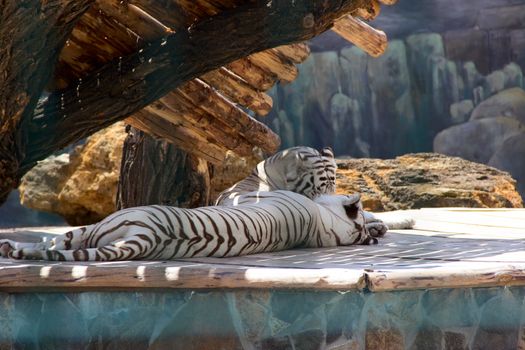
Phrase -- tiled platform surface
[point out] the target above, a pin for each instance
(449, 248)
(455, 282)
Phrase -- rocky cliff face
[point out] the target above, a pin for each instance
(386, 106)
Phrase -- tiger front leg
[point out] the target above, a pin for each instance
(375, 226)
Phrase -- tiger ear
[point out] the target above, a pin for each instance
(327, 152)
(352, 205)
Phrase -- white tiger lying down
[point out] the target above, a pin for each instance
(286, 202)
(261, 222)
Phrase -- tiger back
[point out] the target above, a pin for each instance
(303, 170)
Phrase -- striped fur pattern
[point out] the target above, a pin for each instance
(302, 170)
(260, 222)
(286, 202)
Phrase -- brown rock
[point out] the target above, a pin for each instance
(426, 180)
(82, 189)
(232, 170)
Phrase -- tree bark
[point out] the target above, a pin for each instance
(127, 85)
(32, 32)
(157, 172)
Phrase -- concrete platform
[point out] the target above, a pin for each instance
(449, 248)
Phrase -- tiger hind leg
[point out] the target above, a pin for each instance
(7, 246)
(131, 248)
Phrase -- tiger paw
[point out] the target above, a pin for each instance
(376, 228)
(5, 249)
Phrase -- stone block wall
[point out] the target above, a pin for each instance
(448, 319)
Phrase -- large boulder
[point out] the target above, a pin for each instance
(478, 139)
(82, 186)
(426, 180)
(508, 103)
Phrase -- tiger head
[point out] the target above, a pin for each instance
(302, 170)
(343, 221)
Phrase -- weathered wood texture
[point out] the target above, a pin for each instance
(370, 40)
(147, 75)
(31, 35)
(189, 140)
(168, 176)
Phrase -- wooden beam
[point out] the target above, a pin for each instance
(276, 64)
(369, 12)
(183, 137)
(388, 2)
(209, 100)
(297, 53)
(256, 77)
(134, 18)
(372, 41)
(238, 90)
(122, 87)
(178, 110)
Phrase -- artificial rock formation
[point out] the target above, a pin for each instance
(82, 186)
(84, 192)
(494, 135)
(426, 180)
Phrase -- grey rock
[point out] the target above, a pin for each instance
(494, 82)
(468, 45)
(477, 140)
(508, 103)
(513, 76)
(460, 111)
(502, 17)
(517, 46)
(510, 157)
(392, 104)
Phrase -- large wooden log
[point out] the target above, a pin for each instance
(177, 109)
(125, 86)
(372, 41)
(254, 75)
(209, 100)
(238, 90)
(280, 66)
(297, 53)
(31, 36)
(168, 175)
(181, 136)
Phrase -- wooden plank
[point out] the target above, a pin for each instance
(35, 276)
(372, 41)
(461, 276)
(184, 138)
(209, 100)
(258, 78)
(238, 90)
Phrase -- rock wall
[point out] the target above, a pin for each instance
(494, 135)
(383, 107)
(487, 32)
(442, 319)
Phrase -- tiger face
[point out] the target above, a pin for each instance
(302, 170)
(344, 221)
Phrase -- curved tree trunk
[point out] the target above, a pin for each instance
(157, 172)
(32, 33)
